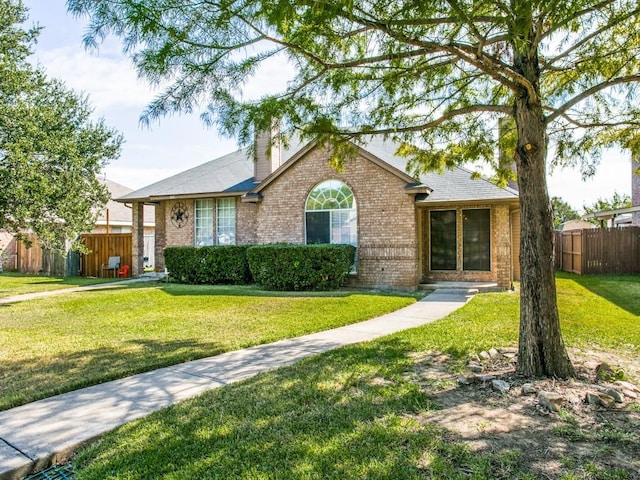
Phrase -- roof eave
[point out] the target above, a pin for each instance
(477, 201)
(182, 196)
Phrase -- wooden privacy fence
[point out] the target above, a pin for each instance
(598, 250)
(101, 247)
(38, 259)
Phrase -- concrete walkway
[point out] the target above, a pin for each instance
(35, 435)
(50, 293)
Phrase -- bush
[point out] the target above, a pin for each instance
(300, 267)
(208, 265)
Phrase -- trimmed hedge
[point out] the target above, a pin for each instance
(209, 265)
(283, 266)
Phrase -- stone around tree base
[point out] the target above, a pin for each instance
(500, 386)
(600, 398)
(551, 401)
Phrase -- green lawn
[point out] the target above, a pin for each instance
(353, 413)
(18, 283)
(56, 344)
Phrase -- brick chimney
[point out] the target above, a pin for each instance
(268, 156)
(505, 160)
(635, 190)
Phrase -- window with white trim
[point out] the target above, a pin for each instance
(203, 222)
(226, 221)
(331, 214)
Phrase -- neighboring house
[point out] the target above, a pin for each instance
(574, 225)
(115, 218)
(8, 251)
(623, 217)
(439, 227)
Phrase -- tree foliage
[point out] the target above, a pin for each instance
(437, 76)
(51, 152)
(562, 211)
(618, 200)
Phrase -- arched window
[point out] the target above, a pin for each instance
(331, 215)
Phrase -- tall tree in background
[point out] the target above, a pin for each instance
(435, 75)
(50, 151)
(562, 212)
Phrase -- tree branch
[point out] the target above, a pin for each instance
(575, 16)
(436, 122)
(591, 91)
(588, 38)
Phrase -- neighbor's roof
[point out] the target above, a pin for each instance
(233, 173)
(607, 214)
(120, 214)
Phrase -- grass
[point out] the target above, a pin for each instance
(353, 413)
(62, 343)
(18, 284)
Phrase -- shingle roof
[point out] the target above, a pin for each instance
(233, 173)
(119, 214)
(457, 185)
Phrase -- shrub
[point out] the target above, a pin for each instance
(208, 265)
(300, 267)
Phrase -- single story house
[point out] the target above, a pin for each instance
(438, 227)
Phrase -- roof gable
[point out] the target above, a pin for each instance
(232, 174)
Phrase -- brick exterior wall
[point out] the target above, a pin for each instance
(246, 221)
(635, 190)
(184, 235)
(501, 248)
(8, 251)
(393, 235)
(387, 230)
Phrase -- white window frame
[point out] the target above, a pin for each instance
(226, 221)
(203, 222)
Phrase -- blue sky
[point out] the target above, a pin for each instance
(180, 142)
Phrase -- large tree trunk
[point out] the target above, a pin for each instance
(541, 348)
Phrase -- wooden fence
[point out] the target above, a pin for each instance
(37, 259)
(101, 247)
(598, 250)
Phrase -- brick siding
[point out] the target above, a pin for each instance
(501, 251)
(387, 238)
(393, 235)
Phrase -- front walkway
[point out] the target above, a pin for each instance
(98, 286)
(35, 435)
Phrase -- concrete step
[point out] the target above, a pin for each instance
(472, 287)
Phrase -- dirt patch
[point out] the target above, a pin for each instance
(595, 441)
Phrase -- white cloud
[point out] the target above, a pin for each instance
(612, 175)
(109, 80)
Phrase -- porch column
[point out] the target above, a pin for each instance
(160, 236)
(137, 240)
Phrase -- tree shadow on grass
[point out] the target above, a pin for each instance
(348, 414)
(27, 380)
(621, 290)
